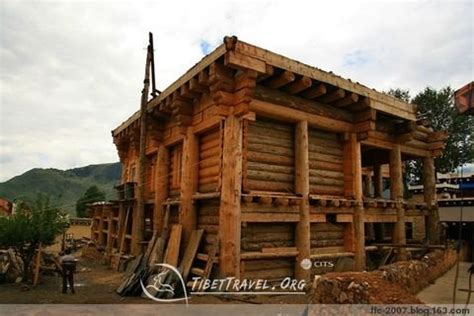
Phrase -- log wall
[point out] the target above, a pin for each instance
(325, 163)
(174, 175)
(208, 219)
(210, 153)
(268, 156)
(268, 269)
(326, 236)
(256, 236)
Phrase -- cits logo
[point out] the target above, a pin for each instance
(306, 264)
(158, 286)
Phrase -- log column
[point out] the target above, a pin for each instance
(378, 181)
(303, 242)
(353, 190)
(429, 189)
(161, 186)
(189, 180)
(231, 187)
(396, 193)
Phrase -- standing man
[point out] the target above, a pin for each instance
(68, 263)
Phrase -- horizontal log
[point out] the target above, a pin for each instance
(257, 228)
(326, 242)
(271, 140)
(255, 255)
(207, 188)
(210, 136)
(270, 176)
(270, 158)
(208, 180)
(324, 165)
(320, 148)
(209, 172)
(257, 246)
(255, 265)
(210, 144)
(268, 236)
(270, 217)
(298, 85)
(326, 190)
(258, 166)
(273, 125)
(269, 208)
(332, 182)
(270, 149)
(269, 274)
(309, 106)
(208, 220)
(258, 131)
(212, 152)
(210, 162)
(316, 91)
(326, 235)
(325, 157)
(325, 174)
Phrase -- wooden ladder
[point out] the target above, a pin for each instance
(209, 259)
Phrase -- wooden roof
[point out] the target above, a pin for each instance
(239, 54)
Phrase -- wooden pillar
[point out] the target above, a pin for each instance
(231, 188)
(353, 189)
(138, 225)
(368, 186)
(396, 193)
(161, 186)
(101, 236)
(110, 237)
(303, 239)
(189, 179)
(378, 181)
(429, 189)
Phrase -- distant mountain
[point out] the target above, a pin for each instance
(64, 186)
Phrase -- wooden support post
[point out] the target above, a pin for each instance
(229, 212)
(396, 193)
(302, 240)
(101, 235)
(378, 181)
(161, 186)
(138, 225)
(110, 237)
(189, 179)
(353, 190)
(429, 189)
(368, 186)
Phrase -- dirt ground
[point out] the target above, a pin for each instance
(96, 284)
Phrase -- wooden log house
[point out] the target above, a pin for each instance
(279, 160)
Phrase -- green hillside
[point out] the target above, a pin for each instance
(64, 186)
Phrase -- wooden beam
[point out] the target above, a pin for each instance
(287, 114)
(316, 91)
(242, 62)
(299, 85)
(231, 186)
(188, 186)
(298, 103)
(280, 80)
(161, 186)
(349, 99)
(332, 96)
(302, 238)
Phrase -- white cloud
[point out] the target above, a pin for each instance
(71, 72)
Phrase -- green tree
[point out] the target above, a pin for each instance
(92, 194)
(30, 226)
(437, 107)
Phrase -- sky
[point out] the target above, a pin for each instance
(70, 72)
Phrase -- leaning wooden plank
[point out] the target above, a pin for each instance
(190, 252)
(159, 247)
(172, 251)
(210, 260)
(37, 266)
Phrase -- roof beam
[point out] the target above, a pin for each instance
(280, 80)
(299, 85)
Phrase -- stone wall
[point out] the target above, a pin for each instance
(392, 284)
